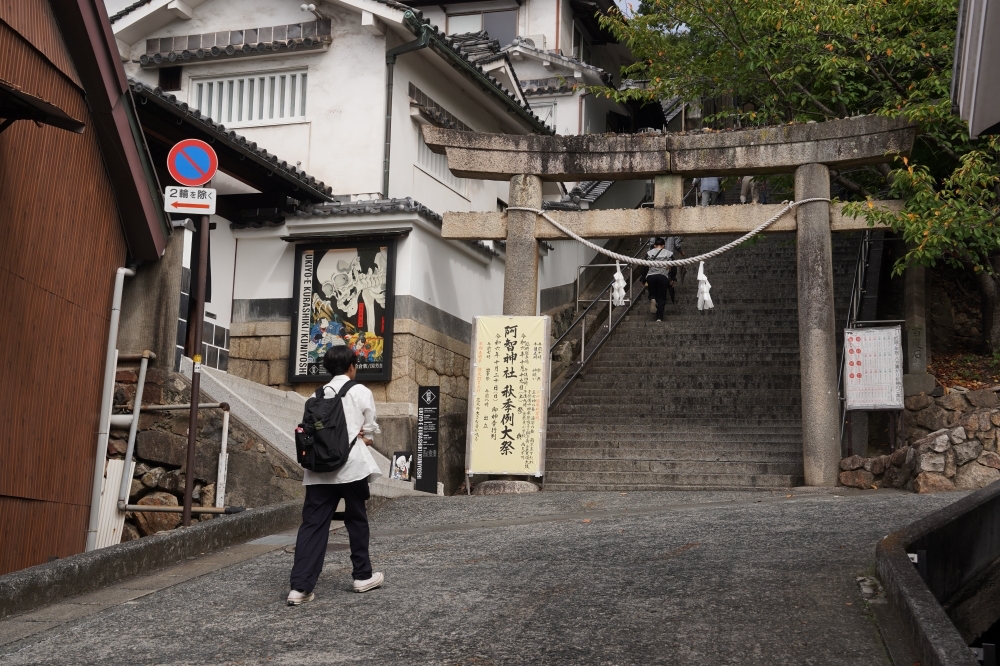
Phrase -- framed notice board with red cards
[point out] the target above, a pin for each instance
(873, 368)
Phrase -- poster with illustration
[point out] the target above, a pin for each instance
(400, 468)
(343, 296)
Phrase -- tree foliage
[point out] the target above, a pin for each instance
(792, 61)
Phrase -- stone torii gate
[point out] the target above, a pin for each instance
(809, 150)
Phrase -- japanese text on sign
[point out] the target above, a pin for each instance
(508, 396)
(873, 368)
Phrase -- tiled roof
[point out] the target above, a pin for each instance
(551, 85)
(232, 43)
(240, 142)
(527, 45)
(378, 207)
(128, 10)
(476, 46)
(416, 23)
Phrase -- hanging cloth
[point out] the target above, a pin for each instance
(704, 297)
(618, 289)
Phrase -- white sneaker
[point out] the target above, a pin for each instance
(296, 598)
(652, 307)
(370, 584)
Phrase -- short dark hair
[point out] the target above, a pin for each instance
(659, 241)
(339, 359)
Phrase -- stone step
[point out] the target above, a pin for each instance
(687, 451)
(665, 481)
(659, 466)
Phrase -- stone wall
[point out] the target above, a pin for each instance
(422, 356)
(257, 475)
(960, 453)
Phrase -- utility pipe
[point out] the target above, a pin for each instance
(126, 483)
(390, 64)
(104, 423)
(175, 408)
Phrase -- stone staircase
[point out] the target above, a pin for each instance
(274, 414)
(699, 400)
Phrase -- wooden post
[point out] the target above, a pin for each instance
(520, 280)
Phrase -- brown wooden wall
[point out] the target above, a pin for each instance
(60, 244)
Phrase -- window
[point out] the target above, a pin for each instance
(581, 46)
(257, 99)
(501, 26)
(169, 78)
(547, 113)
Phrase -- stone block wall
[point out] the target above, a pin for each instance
(422, 356)
(257, 475)
(960, 453)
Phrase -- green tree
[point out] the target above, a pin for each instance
(792, 61)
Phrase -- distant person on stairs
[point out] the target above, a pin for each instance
(659, 280)
(349, 483)
(709, 188)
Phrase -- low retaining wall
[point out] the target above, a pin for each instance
(31, 588)
(956, 545)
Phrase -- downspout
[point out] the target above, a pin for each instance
(104, 427)
(390, 63)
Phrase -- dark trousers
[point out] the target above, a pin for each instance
(317, 512)
(659, 285)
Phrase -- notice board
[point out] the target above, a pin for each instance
(508, 396)
(873, 368)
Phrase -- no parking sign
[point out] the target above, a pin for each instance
(192, 162)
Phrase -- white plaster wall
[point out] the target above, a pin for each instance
(540, 19)
(265, 266)
(453, 280)
(559, 267)
(222, 250)
(340, 141)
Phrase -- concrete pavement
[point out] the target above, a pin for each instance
(570, 578)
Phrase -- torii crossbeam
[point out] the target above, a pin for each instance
(809, 150)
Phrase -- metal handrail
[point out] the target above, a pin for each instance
(852, 321)
(611, 325)
(583, 315)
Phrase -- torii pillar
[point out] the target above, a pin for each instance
(807, 150)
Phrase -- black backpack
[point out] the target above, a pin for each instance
(322, 443)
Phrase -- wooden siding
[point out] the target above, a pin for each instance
(35, 21)
(32, 532)
(60, 243)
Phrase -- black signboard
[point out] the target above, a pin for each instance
(428, 402)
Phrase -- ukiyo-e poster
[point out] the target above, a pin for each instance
(508, 396)
(343, 295)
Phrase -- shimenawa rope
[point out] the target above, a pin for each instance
(789, 205)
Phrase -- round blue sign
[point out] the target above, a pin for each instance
(192, 162)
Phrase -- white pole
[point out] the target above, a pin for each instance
(220, 484)
(104, 429)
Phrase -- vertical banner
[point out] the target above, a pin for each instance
(873, 368)
(428, 410)
(508, 396)
(343, 295)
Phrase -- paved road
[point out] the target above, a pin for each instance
(559, 578)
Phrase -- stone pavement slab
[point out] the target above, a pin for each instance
(567, 578)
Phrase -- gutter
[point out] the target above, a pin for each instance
(422, 41)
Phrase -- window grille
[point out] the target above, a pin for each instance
(257, 99)
(434, 164)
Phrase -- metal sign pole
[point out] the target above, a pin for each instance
(198, 322)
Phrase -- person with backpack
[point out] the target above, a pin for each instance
(332, 445)
(659, 281)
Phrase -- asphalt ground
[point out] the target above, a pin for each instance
(556, 578)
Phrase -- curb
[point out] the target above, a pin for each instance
(934, 636)
(37, 586)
